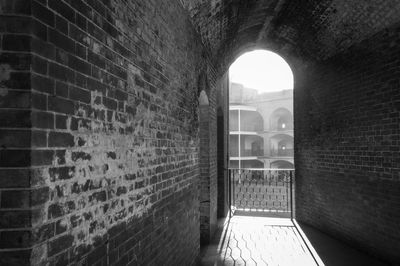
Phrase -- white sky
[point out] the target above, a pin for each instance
(262, 70)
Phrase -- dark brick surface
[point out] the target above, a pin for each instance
(42, 13)
(93, 102)
(15, 199)
(14, 178)
(42, 84)
(60, 139)
(42, 157)
(16, 31)
(15, 239)
(42, 120)
(16, 61)
(15, 158)
(15, 258)
(15, 118)
(347, 138)
(16, 42)
(15, 138)
(16, 7)
(15, 219)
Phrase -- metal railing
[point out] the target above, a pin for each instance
(250, 152)
(265, 191)
(283, 153)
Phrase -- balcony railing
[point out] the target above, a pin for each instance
(246, 153)
(254, 128)
(252, 153)
(282, 153)
(267, 191)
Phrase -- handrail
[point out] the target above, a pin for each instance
(266, 189)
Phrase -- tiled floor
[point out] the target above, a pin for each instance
(246, 240)
(259, 241)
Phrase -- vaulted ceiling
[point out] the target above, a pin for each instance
(314, 29)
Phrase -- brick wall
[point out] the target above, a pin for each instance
(99, 116)
(222, 129)
(208, 186)
(204, 187)
(347, 120)
(16, 136)
(213, 154)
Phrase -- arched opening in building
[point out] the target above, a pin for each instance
(281, 119)
(281, 145)
(261, 132)
(260, 106)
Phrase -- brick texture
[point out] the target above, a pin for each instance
(100, 159)
(347, 121)
(15, 133)
(100, 133)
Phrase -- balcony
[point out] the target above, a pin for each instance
(252, 153)
(245, 119)
(245, 146)
(282, 153)
(265, 191)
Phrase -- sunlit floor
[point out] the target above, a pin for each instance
(246, 240)
(259, 241)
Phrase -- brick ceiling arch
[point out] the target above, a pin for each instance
(310, 29)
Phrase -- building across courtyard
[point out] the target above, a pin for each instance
(260, 128)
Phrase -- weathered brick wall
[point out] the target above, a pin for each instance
(213, 154)
(208, 162)
(204, 160)
(111, 140)
(347, 134)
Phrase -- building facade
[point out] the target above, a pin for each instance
(260, 128)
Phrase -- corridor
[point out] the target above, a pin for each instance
(247, 240)
(115, 133)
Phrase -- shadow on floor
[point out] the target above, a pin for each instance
(336, 253)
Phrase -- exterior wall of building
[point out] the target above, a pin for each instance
(347, 119)
(239, 94)
(261, 143)
(100, 123)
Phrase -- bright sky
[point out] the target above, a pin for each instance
(262, 70)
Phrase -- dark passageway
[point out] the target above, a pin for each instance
(105, 155)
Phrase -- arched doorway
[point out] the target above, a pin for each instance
(261, 114)
(281, 119)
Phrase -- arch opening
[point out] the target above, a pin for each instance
(261, 132)
(260, 105)
(281, 119)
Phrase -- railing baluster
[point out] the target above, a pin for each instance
(268, 191)
(291, 195)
